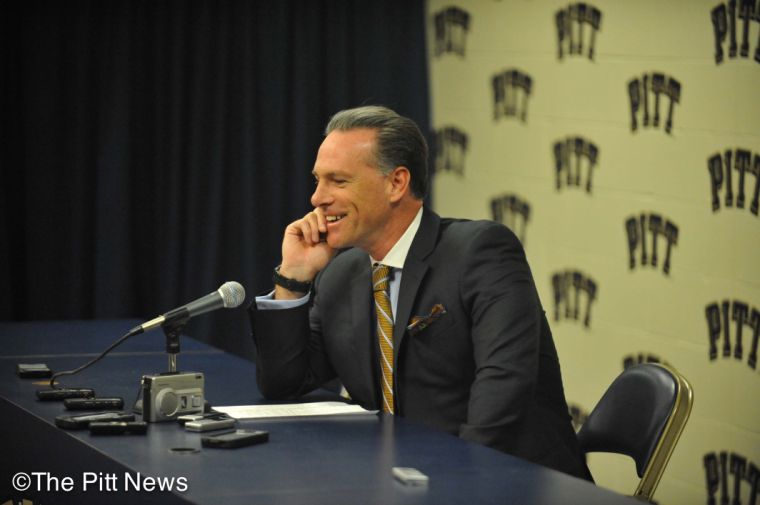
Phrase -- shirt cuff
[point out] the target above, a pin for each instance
(267, 302)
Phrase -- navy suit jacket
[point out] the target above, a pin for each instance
(486, 369)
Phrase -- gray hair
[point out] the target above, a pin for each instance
(399, 141)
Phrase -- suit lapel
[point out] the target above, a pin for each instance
(414, 271)
(415, 268)
(362, 332)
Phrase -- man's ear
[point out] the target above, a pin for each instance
(399, 179)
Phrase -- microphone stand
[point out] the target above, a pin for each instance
(173, 330)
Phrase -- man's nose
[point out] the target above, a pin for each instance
(320, 196)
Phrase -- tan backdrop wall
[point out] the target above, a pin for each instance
(626, 155)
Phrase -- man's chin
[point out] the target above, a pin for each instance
(341, 236)
(335, 242)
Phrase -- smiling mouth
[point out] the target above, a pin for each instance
(334, 219)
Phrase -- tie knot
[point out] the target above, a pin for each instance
(380, 277)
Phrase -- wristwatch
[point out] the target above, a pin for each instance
(290, 284)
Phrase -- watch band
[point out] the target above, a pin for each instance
(288, 283)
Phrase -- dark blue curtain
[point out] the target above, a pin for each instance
(154, 149)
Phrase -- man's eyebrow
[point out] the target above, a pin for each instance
(331, 174)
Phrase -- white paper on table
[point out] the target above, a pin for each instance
(293, 410)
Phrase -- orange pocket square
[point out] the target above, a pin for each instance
(419, 323)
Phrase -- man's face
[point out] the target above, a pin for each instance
(351, 192)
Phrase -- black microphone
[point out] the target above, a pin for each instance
(229, 295)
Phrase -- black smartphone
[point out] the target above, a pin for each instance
(63, 394)
(234, 439)
(94, 403)
(82, 421)
(118, 427)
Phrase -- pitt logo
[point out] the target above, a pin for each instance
(637, 359)
(568, 155)
(568, 286)
(637, 239)
(450, 148)
(639, 93)
(570, 28)
(719, 320)
(511, 90)
(717, 470)
(725, 24)
(451, 27)
(720, 171)
(510, 210)
(578, 415)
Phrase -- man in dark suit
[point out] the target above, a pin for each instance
(453, 333)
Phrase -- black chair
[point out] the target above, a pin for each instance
(641, 415)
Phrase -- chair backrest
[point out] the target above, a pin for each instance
(641, 415)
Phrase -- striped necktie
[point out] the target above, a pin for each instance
(380, 287)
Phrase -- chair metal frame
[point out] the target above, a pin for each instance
(668, 436)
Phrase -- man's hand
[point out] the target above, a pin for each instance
(303, 254)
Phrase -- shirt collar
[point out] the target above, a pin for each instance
(398, 253)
